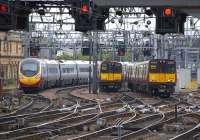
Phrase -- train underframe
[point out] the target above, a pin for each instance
(110, 85)
(155, 89)
(45, 85)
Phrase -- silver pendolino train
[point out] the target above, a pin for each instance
(37, 73)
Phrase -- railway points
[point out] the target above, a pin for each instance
(82, 115)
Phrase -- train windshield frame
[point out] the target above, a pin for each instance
(162, 67)
(29, 68)
(111, 68)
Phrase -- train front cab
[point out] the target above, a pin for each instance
(110, 75)
(29, 75)
(162, 77)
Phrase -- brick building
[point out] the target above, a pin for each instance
(11, 52)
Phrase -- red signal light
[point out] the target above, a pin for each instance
(3, 8)
(168, 12)
(84, 8)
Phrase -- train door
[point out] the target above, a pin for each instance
(44, 74)
(77, 73)
(60, 71)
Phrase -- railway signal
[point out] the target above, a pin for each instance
(4, 8)
(21, 15)
(168, 12)
(82, 16)
(14, 15)
(84, 8)
(169, 20)
(5, 16)
(88, 16)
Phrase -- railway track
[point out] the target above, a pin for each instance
(35, 103)
(65, 99)
(27, 102)
(140, 124)
(126, 117)
(87, 125)
(43, 118)
(34, 112)
(64, 124)
(167, 129)
(112, 132)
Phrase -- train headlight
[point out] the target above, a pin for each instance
(170, 80)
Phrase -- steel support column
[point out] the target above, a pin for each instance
(90, 59)
(95, 57)
(155, 41)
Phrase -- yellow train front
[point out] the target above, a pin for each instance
(157, 77)
(110, 75)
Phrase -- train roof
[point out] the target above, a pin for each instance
(41, 60)
(81, 62)
(107, 61)
(67, 61)
(126, 63)
(145, 62)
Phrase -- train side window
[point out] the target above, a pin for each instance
(68, 70)
(53, 70)
(84, 69)
(117, 68)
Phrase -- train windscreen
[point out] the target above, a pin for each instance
(111, 67)
(117, 68)
(162, 66)
(29, 68)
